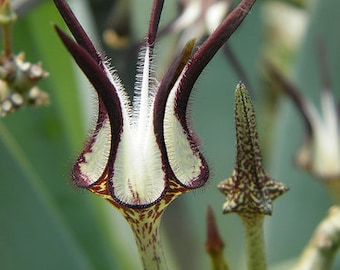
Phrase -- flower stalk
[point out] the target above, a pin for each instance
(145, 224)
(254, 241)
(7, 19)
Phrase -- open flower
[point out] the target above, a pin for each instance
(142, 154)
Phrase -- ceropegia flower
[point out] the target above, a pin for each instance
(142, 154)
(320, 151)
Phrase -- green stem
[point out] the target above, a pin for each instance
(7, 40)
(254, 239)
(7, 18)
(218, 262)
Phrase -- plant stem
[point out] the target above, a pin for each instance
(254, 240)
(218, 262)
(7, 18)
(145, 224)
(7, 40)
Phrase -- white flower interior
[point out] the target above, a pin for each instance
(138, 169)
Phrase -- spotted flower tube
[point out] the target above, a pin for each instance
(142, 153)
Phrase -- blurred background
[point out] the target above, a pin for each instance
(46, 223)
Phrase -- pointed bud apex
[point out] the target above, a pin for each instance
(214, 243)
(249, 189)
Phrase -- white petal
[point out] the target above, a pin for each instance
(183, 154)
(138, 169)
(94, 160)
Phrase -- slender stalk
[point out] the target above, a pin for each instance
(218, 262)
(254, 240)
(7, 40)
(145, 224)
(7, 18)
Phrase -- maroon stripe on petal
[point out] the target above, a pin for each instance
(80, 179)
(193, 70)
(156, 12)
(98, 78)
(77, 30)
(81, 37)
(105, 89)
(163, 92)
(209, 48)
(166, 86)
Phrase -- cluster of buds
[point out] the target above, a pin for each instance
(18, 78)
(18, 81)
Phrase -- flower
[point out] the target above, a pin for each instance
(320, 151)
(138, 149)
(142, 154)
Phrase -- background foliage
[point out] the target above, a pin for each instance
(45, 223)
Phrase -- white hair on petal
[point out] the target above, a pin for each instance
(138, 170)
(145, 85)
(124, 99)
(183, 156)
